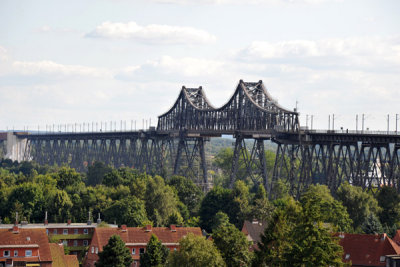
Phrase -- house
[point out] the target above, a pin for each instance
(75, 236)
(253, 231)
(136, 239)
(367, 250)
(20, 247)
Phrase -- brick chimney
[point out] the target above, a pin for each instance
(46, 222)
(124, 228)
(148, 228)
(69, 222)
(15, 229)
(99, 219)
(89, 222)
(173, 227)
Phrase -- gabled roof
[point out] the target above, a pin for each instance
(57, 253)
(61, 260)
(140, 236)
(71, 260)
(396, 238)
(253, 230)
(27, 238)
(367, 250)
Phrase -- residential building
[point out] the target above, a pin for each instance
(367, 250)
(24, 247)
(136, 239)
(75, 236)
(253, 231)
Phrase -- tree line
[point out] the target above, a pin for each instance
(126, 196)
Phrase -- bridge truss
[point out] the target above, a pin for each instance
(177, 145)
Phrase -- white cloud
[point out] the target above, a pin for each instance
(153, 33)
(371, 53)
(51, 68)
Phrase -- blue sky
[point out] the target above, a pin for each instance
(91, 61)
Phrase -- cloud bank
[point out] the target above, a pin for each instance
(152, 33)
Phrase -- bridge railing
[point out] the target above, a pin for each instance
(345, 131)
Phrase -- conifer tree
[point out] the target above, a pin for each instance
(155, 255)
(114, 254)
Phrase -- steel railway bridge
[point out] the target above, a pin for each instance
(177, 145)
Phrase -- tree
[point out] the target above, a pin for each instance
(155, 255)
(66, 176)
(389, 201)
(188, 192)
(359, 204)
(261, 208)
(130, 211)
(232, 244)
(96, 173)
(372, 225)
(313, 245)
(195, 251)
(312, 242)
(161, 201)
(275, 241)
(114, 254)
(327, 209)
(218, 199)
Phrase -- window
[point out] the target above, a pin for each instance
(65, 243)
(28, 253)
(6, 253)
(75, 231)
(15, 253)
(65, 232)
(47, 231)
(174, 249)
(97, 250)
(85, 231)
(85, 242)
(55, 231)
(75, 243)
(347, 257)
(133, 251)
(92, 250)
(382, 258)
(141, 250)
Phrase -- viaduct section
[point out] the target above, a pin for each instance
(251, 116)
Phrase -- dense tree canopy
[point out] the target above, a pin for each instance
(195, 251)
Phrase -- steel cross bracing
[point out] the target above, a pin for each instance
(177, 145)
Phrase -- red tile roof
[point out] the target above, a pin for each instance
(71, 260)
(366, 250)
(27, 237)
(61, 260)
(134, 235)
(57, 254)
(396, 238)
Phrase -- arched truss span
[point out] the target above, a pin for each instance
(251, 108)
